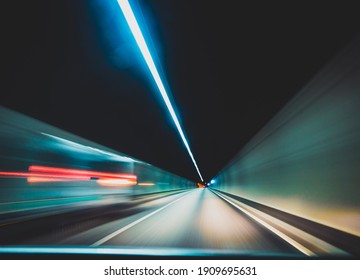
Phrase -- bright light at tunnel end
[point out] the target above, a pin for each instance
(139, 38)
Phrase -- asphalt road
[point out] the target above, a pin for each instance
(195, 220)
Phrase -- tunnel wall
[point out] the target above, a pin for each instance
(306, 160)
(26, 142)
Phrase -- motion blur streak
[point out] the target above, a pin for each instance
(46, 180)
(87, 173)
(13, 174)
(54, 174)
(146, 184)
(43, 176)
(139, 38)
(78, 146)
(116, 182)
(305, 161)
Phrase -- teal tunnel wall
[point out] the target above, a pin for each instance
(306, 160)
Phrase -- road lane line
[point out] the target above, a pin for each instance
(288, 239)
(121, 230)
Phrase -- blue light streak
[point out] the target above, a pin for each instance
(139, 38)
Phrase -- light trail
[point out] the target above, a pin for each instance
(39, 174)
(139, 38)
(88, 173)
(146, 184)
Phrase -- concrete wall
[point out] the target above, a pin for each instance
(306, 160)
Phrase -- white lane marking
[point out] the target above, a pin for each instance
(121, 230)
(289, 240)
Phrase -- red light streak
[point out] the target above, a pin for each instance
(13, 174)
(57, 170)
(38, 174)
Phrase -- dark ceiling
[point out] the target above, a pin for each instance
(230, 66)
